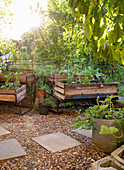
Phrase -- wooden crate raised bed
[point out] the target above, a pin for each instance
(56, 77)
(25, 70)
(25, 78)
(15, 96)
(59, 77)
(84, 91)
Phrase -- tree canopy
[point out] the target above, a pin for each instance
(103, 25)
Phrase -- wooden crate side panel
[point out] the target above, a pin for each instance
(30, 78)
(91, 85)
(7, 98)
(21, 89)
(27, 70)
(2, 77)
(60, 84)
(4, 91)
(57, 77)
(50, 80)
(22, 78)
(20, 96)
(90, 90)
(59, 95)
(60, 90)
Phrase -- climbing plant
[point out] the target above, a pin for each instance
(103, 25)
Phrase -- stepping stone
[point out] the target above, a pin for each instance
(56, 142)
(3, 131)
(87, 133)
(11, 149)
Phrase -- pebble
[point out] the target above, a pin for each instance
(39, 158)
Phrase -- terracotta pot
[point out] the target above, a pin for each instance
(105, 143)
(41, 93)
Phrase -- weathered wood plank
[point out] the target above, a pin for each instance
(7, 98)
(91, 91)
(21, 89)
(22, 78)
(60, 90)
(4, 91)
(60, 84)
(60, 96)
(26, 70)
(90, 85)
(30, 78)
(20, 96)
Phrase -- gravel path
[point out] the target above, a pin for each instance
(32, 124)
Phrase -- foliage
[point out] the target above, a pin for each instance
(8, 52)
(103, 24)
(9, 85)
(24, 60)
(121, 90)
(103, 110)
(47, 101)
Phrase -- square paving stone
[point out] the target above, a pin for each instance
(3, 131)
(87, 133)
(56, 142)
(11, 149)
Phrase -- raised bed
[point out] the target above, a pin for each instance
(56, 77)
(84, 91)
(25, 71)
(25, 78)
(15, 96)
(59, 77)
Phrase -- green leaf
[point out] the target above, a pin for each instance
(121, 7)
(105, 130)
(88, 28)
(103, 107)
(101, 42)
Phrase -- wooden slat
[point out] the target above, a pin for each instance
(91, 91)
(20, 96)
(50, 80)
(8, 98)
(4, 91)
(60, 90)
(60, 96)
(21, 89)
(91, 85)
(30, 78)
(22, 78)
(60, 84)
(27, 70)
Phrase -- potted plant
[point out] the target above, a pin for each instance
(107, 124)
(45, 104)
(41, 89)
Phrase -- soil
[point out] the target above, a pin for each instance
(32, 124)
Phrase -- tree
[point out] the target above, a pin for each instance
(103, 24)
(5, 14)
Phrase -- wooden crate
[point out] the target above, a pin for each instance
(22, 78)
(59, 77)
(13, 95)
(25, 71)
(81, 91)
(56, 77)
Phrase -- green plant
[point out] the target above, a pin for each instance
(9, 85)
(121, 90)
(103, 110)
(47, 101)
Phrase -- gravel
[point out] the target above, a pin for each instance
(32, 124)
